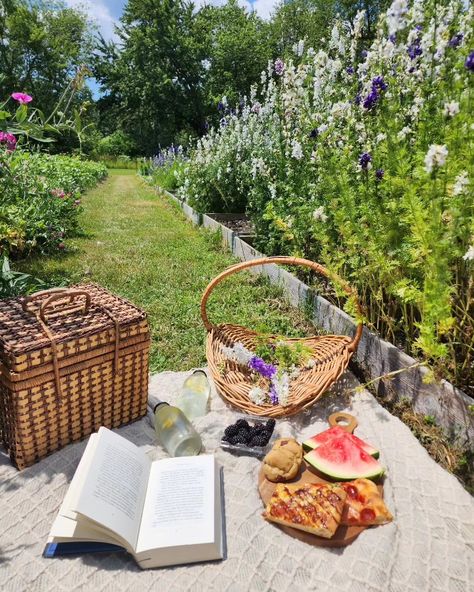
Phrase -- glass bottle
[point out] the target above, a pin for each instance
(175, 432)
(194, 395)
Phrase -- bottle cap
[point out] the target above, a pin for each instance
(158, 404)
(200, 372)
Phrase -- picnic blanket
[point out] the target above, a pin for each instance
(428, 547)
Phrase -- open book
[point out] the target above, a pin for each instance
(164, 512)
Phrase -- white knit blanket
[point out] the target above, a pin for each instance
(429, 546)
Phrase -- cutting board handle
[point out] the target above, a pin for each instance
(344, 420)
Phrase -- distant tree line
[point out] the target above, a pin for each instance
(162, 80)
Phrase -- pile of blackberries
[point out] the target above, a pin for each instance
(241, 432)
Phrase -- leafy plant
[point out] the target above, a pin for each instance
(15, 283)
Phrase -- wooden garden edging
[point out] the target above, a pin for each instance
(452, 409)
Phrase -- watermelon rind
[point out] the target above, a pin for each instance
(336, 431)
(343, 460)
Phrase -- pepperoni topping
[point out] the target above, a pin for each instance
(367, 515)
(352, 491)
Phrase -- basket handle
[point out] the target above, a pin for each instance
(279, 261)
(54, 295)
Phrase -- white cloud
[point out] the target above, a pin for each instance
(99, 13)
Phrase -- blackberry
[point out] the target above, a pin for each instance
(231, 430)
(271, 424)
(258, 441)
(243, 435)
(242, 423)
(258, 427)
(241, 438)
(225, 438)
(234, 440)
(265, 436)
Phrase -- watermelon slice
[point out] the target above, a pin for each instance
(344, 460)
(336, 432)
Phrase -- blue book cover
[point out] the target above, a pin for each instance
(78, 548)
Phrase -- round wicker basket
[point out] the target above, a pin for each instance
(331, 353)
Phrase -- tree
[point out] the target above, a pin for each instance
(153, 82)
(42, 45)
(237, 46)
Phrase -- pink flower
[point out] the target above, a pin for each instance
(58, 193)
(9, 140)
(61, 246)
(77, 202)
(22, 98)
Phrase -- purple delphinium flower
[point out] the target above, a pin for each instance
(456, 40)
(350, 70)
(260, 366)
(314, 133)
(414, 50)
(273, 395)
(378, 86)
(357, 99)
(279, 66)
(363, 53)
(379, 82)
(364, 160)
(379, 173)
(411, 70)
(371, 99)
(220, 106)
(469, 63)
(392, 38)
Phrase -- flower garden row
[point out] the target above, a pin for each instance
(363, 159)
(40, 198)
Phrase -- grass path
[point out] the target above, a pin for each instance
(140, 245)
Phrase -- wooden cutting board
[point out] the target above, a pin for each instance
(344, 534)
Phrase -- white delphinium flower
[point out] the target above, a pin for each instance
(298, 48)
(296, 150)
(334, 41)
(281, 386)
(311, 363)
(396, 16)
(380, 138)
(224, 101)
(451, 109)
(320, 214)
(460, 183)
(435, 157)
(469, 255)
(403, 133)
(294, 372)
(257, 395)
(237, 353)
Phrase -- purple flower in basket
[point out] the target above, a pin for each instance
(273, 395)
(260, 366)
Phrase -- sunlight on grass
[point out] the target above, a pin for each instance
(140, 246)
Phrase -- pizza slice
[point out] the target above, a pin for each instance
(313, 508)
(364, 505)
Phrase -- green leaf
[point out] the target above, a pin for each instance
(21, 113)
(4, 115)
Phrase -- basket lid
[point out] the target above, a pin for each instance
(21, 331)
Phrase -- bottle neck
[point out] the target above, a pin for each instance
(160, 404)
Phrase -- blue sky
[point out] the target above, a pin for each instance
(105, 13)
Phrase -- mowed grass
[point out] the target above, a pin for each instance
(140, 246)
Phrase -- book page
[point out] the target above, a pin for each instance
(115, 486)
(179, 504)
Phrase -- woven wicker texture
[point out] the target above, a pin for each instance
(331, 353)
(70, 361)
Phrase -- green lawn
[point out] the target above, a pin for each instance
(141, 246)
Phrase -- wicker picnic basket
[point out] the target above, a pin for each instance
(331, 353)
(71, 360)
